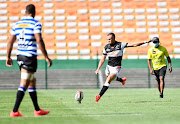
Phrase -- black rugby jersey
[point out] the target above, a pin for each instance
(114, 53)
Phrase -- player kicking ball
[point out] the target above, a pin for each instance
(114, 51)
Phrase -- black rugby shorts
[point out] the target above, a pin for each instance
(160, 72)
(27, 63)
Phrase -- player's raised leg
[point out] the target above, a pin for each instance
(122, 80)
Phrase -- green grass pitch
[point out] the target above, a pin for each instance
(117, 106)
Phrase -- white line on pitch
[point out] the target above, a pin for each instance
(85, 115)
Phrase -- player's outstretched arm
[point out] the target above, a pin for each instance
(42, 48)
(101, 62)
(9, 61)
(138, 44)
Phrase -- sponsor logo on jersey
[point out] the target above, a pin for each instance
(23, 25)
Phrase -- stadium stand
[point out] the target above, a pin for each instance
(86, 23)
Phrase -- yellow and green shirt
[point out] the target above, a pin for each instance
(157, 56)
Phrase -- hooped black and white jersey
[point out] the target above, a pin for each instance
(114, 53)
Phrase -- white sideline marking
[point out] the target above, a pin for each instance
(85, 115)
(101, 82)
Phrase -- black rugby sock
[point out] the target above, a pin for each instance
(34, 100)
(119, 79)
(19, 97)
(103, 90)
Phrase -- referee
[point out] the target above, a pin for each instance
(28, 34)
(156, 55)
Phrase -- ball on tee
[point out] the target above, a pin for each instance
(79, 96)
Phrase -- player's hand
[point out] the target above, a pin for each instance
(170, 69)
(48, 60)
(97, 71)
(9, 62)
(151, 72)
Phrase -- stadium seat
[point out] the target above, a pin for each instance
(48, 11)
(48, 5)
(175, 30)
(60, 31)
(60, 11)
(39, 18)
(3, 31)
(96, 44)
(140, 11)
(61, 51)
(60, 37)
(85, 57)
(62, 57)
(176, 43)
(161, 4)
(72, 18)
(140, 23)
(71, 24)
(3, 45)
(72, 31)
(84, 37)
(3, 5)
(83, 24)
(84, 51)
(60, 24)
(83, 30)
(73, 51)
(117, 11)
(3, 38)
(151, 10)
(174, 17)
(61, 44)
(72, 44)
(174, 10)
(175, 23)
(60, 18)
(48, 18)
(48, 24)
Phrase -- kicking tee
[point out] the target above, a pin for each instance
(114, 53)
(157, 56)
(24, 31)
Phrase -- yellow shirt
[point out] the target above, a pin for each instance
(157, 56)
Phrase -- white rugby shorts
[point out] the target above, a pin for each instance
(110, 69)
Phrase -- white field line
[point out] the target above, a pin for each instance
(101, 82)
(83, 115)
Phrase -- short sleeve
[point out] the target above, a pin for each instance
(37, 28)
(149, 54)
(166, 52)
(104, 52)
(123, 45)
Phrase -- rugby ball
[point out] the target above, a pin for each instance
(79, 96)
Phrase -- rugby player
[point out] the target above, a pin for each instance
(28, 34)
(114, 51)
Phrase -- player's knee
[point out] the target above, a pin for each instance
(161, 78)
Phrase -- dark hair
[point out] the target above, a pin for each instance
(155, 40)
(112, 35)
(30, 9)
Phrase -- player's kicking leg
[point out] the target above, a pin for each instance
(122, 80)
